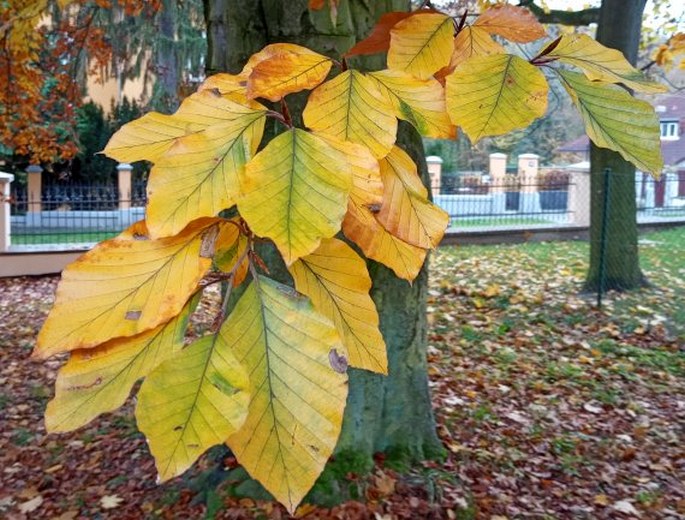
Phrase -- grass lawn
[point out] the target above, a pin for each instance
(61, 238)
(551, 408)
(548, 408)
(468, 222)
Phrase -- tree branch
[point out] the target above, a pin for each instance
(575, 18)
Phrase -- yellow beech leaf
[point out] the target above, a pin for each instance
(338, 283)
(200, 175)
(125, 286)
(149, 137)
(616, 120)
(231, 247)
(225, 83)
(270, 51)
(286, 73)
(296, 191)
(360, 226)
(230, 85)
(421, 45)
(99, 380)
(493, 95)
(421, 102)
(511, 22)
(473, 41)
(290, 78)
(298, 377)
(366, 173)
(406, 211)
(192, 402)
(600, 63)
(352, 108)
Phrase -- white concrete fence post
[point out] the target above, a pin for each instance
(579, 194)
(528, 173)
(434, 164)
(670, 189)
(35, 188)
(498, 180)
(124, 179)
(5, 231)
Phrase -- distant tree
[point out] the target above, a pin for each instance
(618, 27)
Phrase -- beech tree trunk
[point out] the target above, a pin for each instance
(390, 414)
(619, 28)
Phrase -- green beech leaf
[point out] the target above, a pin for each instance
(600, 63)
(296, 192)
(495, 94)
(616, 120)
(192, 402)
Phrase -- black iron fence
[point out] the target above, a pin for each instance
(73, 213)
(482, 201)
(68, 213)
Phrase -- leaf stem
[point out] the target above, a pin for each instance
(462, 21)
(286, 113)
(278, 117)
(540, 61)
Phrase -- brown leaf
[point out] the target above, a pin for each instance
(379, 39)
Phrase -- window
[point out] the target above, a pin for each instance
(669, 129)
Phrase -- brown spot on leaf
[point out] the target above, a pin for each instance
(133, 315)
(178, 428)
(374, 208)
(290, 292)
(338, 361)
(140, 236)
(95, 383)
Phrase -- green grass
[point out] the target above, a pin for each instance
(467, 222)
(657, 359)
(61, 238)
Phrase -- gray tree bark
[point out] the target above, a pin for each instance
(390, 414)
(619, 28)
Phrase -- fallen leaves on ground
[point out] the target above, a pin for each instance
(548, 407)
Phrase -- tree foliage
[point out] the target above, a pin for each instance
(48, 48)
(270, 379)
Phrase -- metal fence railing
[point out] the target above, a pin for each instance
(69, 214)
(660, 199)
(511, 201)
(479, 201)
(73, 214)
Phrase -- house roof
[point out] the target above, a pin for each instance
(671, 107)
(672, 151)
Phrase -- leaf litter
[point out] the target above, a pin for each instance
(548, 407)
